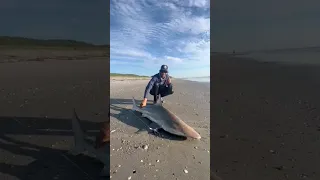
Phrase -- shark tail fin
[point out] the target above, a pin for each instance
(79, 138)
(134, 105)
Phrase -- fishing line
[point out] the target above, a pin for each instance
(75, 165)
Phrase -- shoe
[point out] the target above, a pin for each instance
(162, 101)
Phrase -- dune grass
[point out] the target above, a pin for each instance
(21, 42)
(131, 76)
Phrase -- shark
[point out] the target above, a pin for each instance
(164, 119)
(100, 150)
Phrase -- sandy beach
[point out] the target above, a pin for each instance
(37, 98)
(265, 120)
(166, 157)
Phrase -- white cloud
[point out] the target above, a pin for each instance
(194, 25)
(167, 32)
(199, 3)
(130, 52)
(174, 59)
(119, 63)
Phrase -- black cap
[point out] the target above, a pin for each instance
(164, 68)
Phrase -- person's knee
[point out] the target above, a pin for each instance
(154, 89)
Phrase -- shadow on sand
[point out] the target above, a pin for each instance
(134, 119)
(26, 155)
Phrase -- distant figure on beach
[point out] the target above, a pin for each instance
(160, 84)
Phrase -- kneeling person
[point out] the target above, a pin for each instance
(160, 84)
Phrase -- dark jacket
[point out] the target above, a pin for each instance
(156, 79)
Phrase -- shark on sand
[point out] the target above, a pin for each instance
(100, 150)
(165, 119)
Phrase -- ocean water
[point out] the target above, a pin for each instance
(312, 58)
(199, 79)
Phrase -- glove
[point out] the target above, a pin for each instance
(143, 103)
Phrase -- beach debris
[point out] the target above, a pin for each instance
(224, 136)
(280, 168)
(119, 165)
(272, 151)
(158, 160)
(129, 177)
(134, 171)
(185, 171)
(112, 131)
(196, 147)
(162, 118)
(141, 160)
(303, 175)
(145, 147)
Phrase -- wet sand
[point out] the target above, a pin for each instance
(36, 103)
(265, 120)
(166, 157)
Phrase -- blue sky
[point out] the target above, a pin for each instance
(144, 34)
(80, 20)
(258, 25)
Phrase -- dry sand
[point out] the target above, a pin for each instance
(265, 120)
(166, 157)
(36, 103)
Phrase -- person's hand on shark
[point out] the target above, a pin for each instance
(143, 103)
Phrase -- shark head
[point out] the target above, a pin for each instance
(164, 118)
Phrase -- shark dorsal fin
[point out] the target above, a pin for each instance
(159, 102)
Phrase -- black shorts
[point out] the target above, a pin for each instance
(162, 90)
